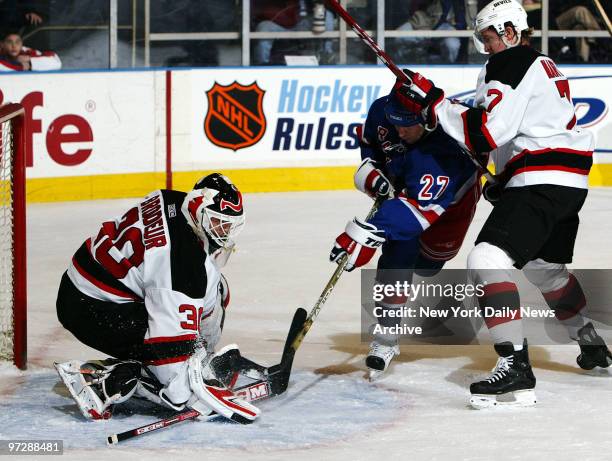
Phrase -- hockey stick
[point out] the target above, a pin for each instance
(369, 41)
(301, 322)
(490, 177)
(259, 390)
(603, 15)
(387, 61)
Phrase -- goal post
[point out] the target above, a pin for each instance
(13, 290)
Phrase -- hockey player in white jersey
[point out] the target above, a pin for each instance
(523, 114)
(147, 291)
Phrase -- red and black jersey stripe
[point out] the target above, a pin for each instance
(477, 136)
(90, 269)
(568, 160)
(168, 349)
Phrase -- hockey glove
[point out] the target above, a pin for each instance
(421, 97)
(492, 192)
(371, 181)
(210, 395)
(360, 241)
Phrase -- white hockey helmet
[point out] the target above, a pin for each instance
(214, 211)
(497, 14)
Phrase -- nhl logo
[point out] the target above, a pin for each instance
(235, 117)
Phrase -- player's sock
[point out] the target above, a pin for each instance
(500, 307)
(568, 304)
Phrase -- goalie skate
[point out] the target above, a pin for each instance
(96, 386)
(511, 383)
(379, 358)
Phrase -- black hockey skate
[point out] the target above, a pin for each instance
(512, 376)
(593, 349)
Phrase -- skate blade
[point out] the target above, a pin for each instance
(375, 375)
(526, 398)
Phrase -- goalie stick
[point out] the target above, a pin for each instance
(274, 384)
(335, 6)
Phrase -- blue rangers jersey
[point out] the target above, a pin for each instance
(428, 176)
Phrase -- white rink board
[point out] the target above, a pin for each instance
(342, 96)
(117, 107)
(126, 113)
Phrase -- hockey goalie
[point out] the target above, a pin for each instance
(147, 291)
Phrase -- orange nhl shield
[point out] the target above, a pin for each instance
(235, 117)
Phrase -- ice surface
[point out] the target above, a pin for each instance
(418, 412)
(295, 420)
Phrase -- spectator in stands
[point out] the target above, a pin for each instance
(432, 16)
(571, 15)
(283, 16)
(275, 16)
(16, 57)
(567, 15)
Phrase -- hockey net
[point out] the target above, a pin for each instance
(12, 236)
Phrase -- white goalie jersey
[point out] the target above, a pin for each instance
(151, 255)
(523, 114)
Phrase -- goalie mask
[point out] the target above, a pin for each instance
(498, 14)
(214, 211)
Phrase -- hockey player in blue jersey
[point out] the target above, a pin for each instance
(431, 191)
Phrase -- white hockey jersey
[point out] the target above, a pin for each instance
(523, 114)
(151, 255)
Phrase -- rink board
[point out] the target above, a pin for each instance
(121, 134)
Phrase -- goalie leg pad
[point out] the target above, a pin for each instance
(209, 393)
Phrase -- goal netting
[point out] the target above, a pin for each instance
(12, 236)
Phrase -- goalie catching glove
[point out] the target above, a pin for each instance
(359, 241)
(420, 97)
(371, 181)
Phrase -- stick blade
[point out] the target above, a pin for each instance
(279, 374)
(299, 318)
